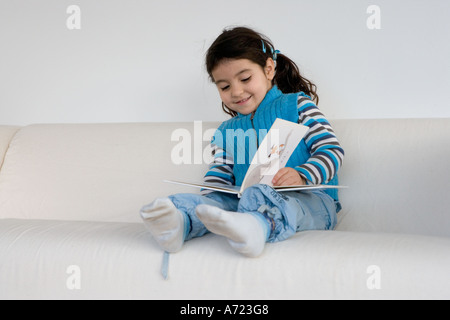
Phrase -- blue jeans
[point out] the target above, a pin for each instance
(284, 213)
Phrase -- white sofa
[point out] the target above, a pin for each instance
(70, 196)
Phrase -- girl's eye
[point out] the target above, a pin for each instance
(246, 79)
(224, 88)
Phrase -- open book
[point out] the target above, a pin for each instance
(272, 155)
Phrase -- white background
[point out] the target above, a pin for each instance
(143, 61)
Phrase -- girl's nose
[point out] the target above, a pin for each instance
(236, 91)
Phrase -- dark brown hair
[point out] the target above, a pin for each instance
(245, 43)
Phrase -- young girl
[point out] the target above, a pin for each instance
(257, 84)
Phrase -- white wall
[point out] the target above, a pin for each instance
(142, 60)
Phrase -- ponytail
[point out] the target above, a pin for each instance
(289, 80)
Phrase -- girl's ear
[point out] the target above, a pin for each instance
(270, 69)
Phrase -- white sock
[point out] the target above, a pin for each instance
(244, 232)
(166, 224)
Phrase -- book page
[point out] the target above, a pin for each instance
(274, 152)
(237, 190)
(209, 186)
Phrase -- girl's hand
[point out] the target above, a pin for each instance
(288, 177)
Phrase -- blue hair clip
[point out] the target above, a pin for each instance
(275, 54)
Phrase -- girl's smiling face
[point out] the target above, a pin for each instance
(243, 84)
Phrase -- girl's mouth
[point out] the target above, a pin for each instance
(243, 100)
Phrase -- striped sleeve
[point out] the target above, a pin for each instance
(220, 170)
(327, 154)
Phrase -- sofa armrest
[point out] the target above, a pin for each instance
(6, 134)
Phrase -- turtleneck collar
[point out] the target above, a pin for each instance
(273, 94)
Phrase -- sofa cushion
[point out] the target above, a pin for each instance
(90, 172)
(398, 174)
(95, 260)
